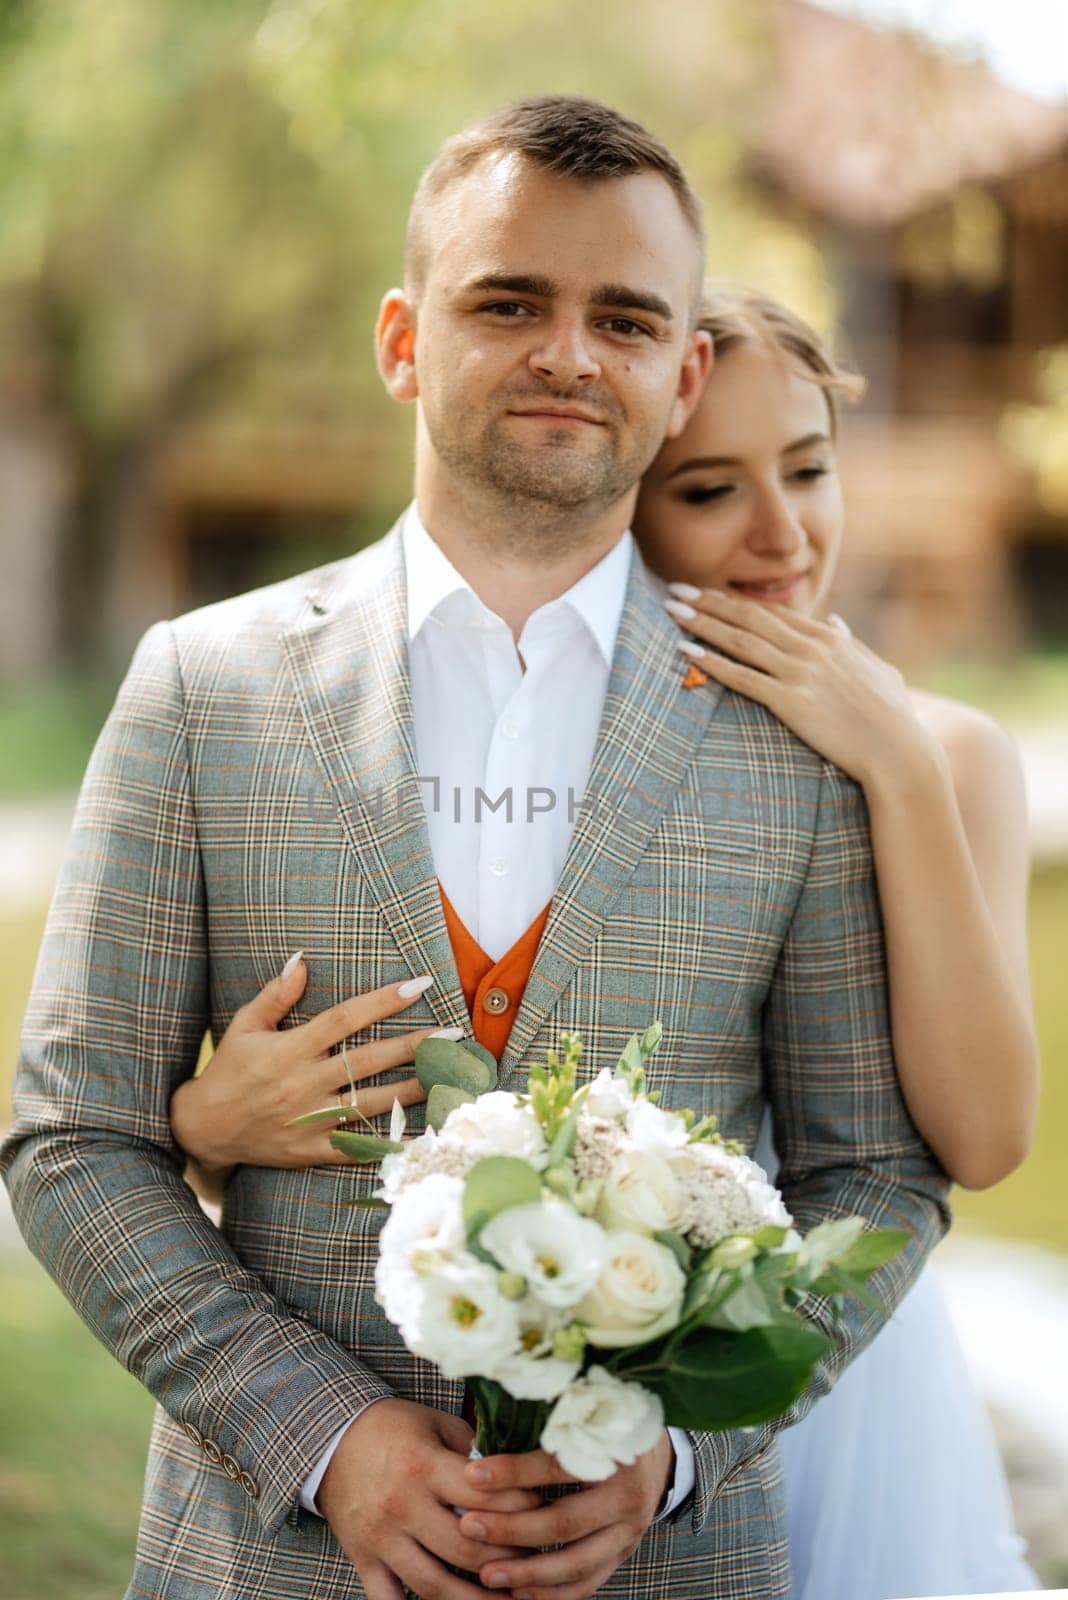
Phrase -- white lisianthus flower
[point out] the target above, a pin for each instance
(727, 1194)
(643, 1192)
(535, 1377)
(460, 1320)
(638, 1295)
(650, 1128)
(608, 1097)
(601, 1423)
(559, 1253)
(425, 1229)
(496, 1125)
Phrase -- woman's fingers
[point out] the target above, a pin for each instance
(733, 675)
(742, 643)
(378, 1100)
(368, 1060)
(330, 1027)
(266, 1009)
(777, 623)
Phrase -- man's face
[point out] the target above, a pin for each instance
(551, 333)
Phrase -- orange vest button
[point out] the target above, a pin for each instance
(495, 1001)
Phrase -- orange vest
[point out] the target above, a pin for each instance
(492, 989)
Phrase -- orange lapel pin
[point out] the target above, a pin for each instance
(694, 677)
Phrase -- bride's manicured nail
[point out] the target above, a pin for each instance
(447, 1033)
(689, 648)
(414, 986)
(684, 591)
(679, 608)
(291, 965)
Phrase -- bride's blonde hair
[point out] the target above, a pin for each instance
(733, 313)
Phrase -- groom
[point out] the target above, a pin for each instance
(323, 766)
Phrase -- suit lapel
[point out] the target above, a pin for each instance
(650, 730)
(350, 668)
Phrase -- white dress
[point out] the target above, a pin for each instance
(894, 1484)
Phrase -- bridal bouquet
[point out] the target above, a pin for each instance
(595, 1265)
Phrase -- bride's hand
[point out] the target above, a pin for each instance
(827, 687)
(259, 1078)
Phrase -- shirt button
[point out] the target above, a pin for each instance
(499, 868)
(495, 1001)
(510, 728)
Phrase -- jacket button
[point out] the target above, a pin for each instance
(212, 1451)
(495, 1001)
(249, 1485)
(193, 1433)
(231, 1467)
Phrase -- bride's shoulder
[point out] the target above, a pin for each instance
(982, 754)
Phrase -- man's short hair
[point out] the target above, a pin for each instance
(565, 134)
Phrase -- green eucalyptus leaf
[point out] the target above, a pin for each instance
(327, 1114)
(368, 1203)
(480, 1053)
(445, 1062)
(442, 1099)
(494, 1185)
(363, 1146)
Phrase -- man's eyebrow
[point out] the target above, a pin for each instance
(623, 298)
(616, 295)
(705, 462)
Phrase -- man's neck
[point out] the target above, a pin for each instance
(489, 553)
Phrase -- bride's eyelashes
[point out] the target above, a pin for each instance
(702, 494)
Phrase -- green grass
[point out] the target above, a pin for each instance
(73, 1439)
(47, 732)
(1028, 691)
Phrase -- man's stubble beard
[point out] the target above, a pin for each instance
(542, 498)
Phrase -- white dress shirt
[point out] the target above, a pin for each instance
(503, 756)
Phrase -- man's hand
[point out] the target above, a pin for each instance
(599, 1527)
(388, 1495)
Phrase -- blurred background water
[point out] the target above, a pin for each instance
(200, 206)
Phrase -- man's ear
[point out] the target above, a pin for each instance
(696, 365)
(395, 345)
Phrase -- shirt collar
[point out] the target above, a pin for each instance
(597, 598)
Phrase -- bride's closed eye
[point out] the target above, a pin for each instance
(700, 494)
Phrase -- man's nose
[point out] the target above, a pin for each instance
(776, 529)
(564, 355)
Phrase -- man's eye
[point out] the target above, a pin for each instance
(511, 310)
(625, 326)
(699, 496)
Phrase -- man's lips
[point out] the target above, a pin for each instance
(551, 414)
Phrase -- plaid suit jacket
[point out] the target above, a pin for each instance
(254, 792)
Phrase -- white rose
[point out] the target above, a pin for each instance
(608, 1097)
(638, 1295)
(496, 1125)
(642, 1192)
(559, 1253)
(600, 1424)
(460, 1320)
(652, 1129)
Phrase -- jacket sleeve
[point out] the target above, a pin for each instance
(117, 1013)
(846, 1144)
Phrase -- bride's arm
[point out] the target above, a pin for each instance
(949, 836)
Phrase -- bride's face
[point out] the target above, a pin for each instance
(747, 498)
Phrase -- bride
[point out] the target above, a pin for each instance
(893, 1483)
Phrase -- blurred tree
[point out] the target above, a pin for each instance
(201, 201)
